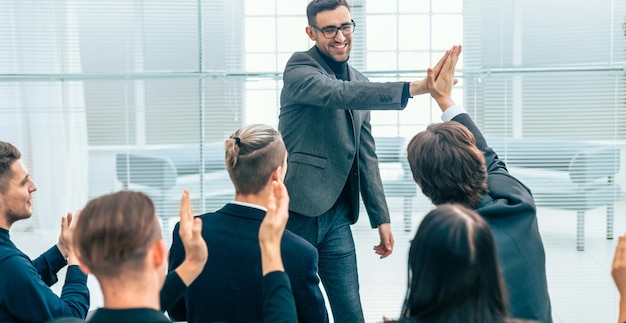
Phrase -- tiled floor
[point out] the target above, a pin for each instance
(580, 283)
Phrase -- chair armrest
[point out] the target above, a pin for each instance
(143, 169)
(594, 163)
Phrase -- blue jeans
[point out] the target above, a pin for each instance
(330, 233)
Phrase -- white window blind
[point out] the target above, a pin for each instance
(140, 94)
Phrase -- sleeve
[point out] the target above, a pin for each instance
(177, 309)
(173, 289)
(502, 185)
(370, 179)
(278, 303)
(308, 297)
(30, 299)
(307, 83)
(49, 264)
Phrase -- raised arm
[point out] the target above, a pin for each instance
(196, 255)
(278, 302)
(25, 284)
(618, 271)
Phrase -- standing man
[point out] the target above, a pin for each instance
(452, 163)
(325, 122)
(25, 295)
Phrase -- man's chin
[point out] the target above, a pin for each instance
(340, 59)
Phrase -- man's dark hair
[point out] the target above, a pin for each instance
(316, 6)
(8, 155)
(447, 165)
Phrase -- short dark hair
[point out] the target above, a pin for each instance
(454, 275)
(315, 6)
(447, 165)
(8, 155)
(114, 233)
(252, 154)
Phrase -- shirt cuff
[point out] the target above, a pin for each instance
(406, 95)
(452, 112)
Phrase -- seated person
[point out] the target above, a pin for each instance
(118, 239)
(129, 263)
(452, 163)
(229, 288)
(25, 295)
(454, 274)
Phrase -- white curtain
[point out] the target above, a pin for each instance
(44, 119)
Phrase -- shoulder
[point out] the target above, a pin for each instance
(7, 252)
(304, 61)
(16, 262)
(297, 251)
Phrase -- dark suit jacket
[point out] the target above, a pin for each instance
(510, 210)
(325, 124)
(230, 287)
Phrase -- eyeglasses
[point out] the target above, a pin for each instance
(331, 32)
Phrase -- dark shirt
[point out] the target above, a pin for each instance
(106, 315)
(130, 315)
(25, 294)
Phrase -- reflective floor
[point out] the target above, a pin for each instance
(580, 284)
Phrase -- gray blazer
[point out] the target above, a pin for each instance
(325, 124)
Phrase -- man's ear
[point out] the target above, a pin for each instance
(84, 268)
(159, 253)
(310, 32)
(276, 174)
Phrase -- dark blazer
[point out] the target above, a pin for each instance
(230, 287)
(510, 210)
(325, 124)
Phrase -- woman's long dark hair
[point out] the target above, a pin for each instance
(453, 270)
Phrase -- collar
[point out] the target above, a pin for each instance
(250, 211)
(257, 206)
(4, 233)
(339, 68)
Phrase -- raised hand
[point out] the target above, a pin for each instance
(65, 238)
(618, 271)
(196, 250)
(273, 227)
(441, 78)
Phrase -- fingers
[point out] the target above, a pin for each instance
(282, 198)
(440, 63)
(619, 259)
(450, 62)
(196, 229)
(65, 225)
(275, 220)
(185, 213)
(70, 217)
